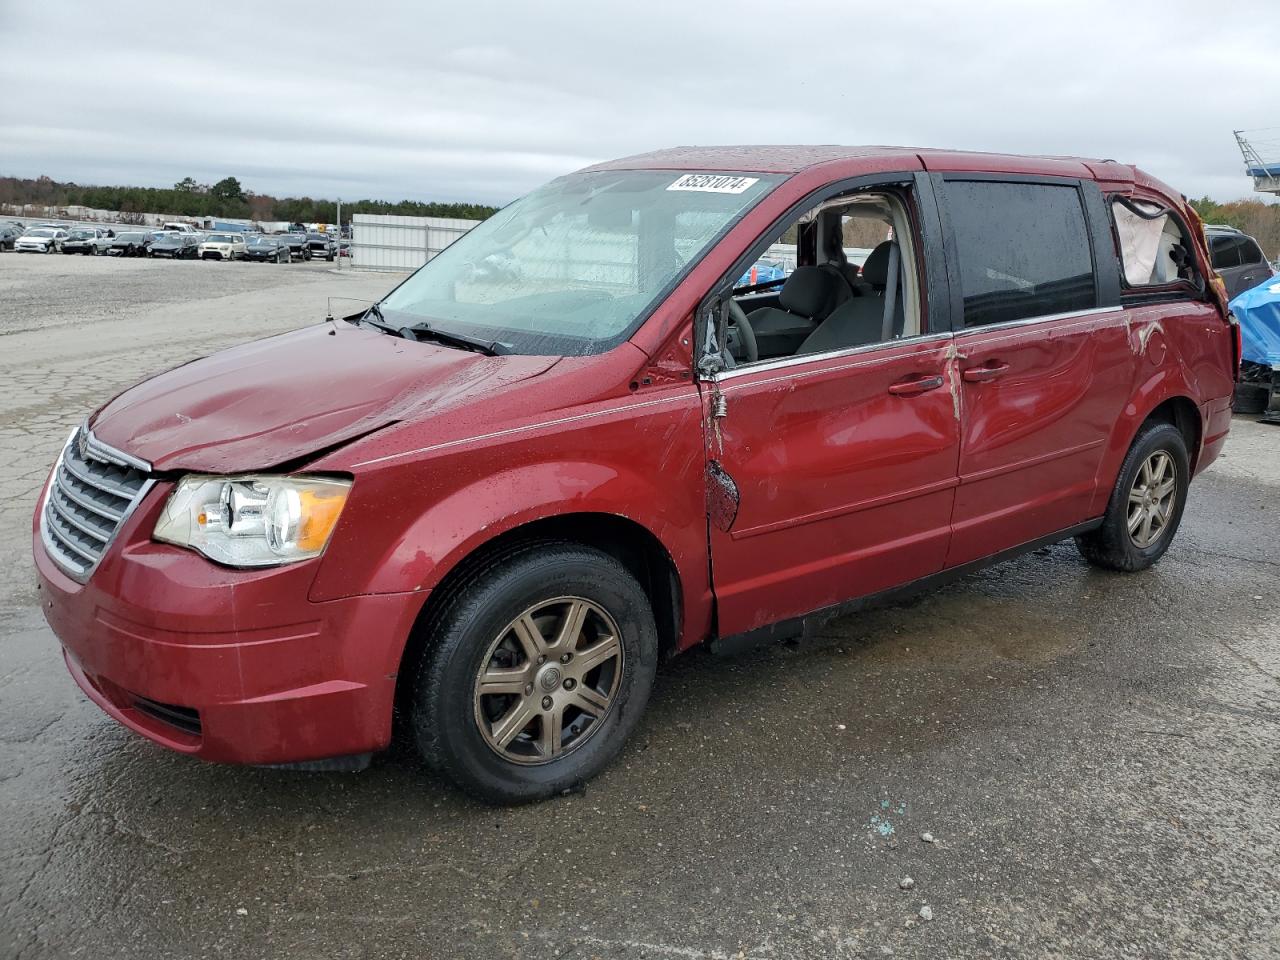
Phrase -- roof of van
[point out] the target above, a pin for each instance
(776, 158)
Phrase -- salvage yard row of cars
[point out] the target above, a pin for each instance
(172, 242)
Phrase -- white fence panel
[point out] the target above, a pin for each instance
(401, 244)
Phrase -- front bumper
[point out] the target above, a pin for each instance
(214, 254)
(31, 247)
(227, 665)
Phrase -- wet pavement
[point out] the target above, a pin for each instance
(1094, 755)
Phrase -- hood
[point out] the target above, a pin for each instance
(277, 400)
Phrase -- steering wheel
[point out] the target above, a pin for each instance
(746, 337)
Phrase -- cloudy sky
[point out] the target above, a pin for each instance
(478, 100)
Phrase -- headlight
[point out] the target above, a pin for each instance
(255, 521)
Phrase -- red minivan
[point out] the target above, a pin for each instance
(569, 446)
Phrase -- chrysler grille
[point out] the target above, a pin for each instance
(94, 488)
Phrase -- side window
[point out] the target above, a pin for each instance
(1023, 250)
(857, 282)
(1225, 251)
(1154, 248)
(1250, 252)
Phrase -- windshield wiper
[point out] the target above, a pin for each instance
(422, 331)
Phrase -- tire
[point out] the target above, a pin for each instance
(467, 635)
(51, 249)
(1112, 546)
(1250, 398)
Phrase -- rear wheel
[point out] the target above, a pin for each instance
(539, 668)
(1146, 505)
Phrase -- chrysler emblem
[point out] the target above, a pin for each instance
(82, 445)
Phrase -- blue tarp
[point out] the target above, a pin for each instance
(1258, 311)
(1270, 170)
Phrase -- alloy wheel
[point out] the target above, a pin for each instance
(1152, 498)
(548, 680)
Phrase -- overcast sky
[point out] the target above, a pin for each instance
(475, 100)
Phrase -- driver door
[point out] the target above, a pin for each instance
(833, 475)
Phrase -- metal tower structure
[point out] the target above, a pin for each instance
(1261, 157)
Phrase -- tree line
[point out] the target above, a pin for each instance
(225, 199)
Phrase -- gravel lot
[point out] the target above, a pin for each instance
(1095, 756)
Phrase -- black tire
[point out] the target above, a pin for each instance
(1110, 546)
(442, 706)
(1250, 398)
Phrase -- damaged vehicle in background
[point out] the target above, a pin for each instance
(265, 247)
(132, 243)
(487, 506)
(41, 240)
(175, 245)
(89, 241)
(322, 245)
(299, 249)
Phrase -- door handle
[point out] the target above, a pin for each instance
(988, 371)
(909, 388)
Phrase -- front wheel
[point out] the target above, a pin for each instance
(539, 667)
(1146, 504)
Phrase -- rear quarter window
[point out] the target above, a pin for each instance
(1022, 248)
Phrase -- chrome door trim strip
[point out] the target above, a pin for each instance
(783, 363)
(1042, 318)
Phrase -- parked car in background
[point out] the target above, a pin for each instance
(9, 235)
(425, 514)
(298, 247)
(763, 272)
(322, 245)
(131, 243)
(1237, 257)
(90, 241)
(41, 240)
(176, 245)
(264, 247)
(175, 227)
(222, 246)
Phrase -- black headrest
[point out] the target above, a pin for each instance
(809, 291)
(876, 270)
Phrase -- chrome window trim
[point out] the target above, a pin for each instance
(1041, 318)
(781, 363)
(106, 454)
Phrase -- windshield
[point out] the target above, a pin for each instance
(81, 234)
(575, 266)
(39, 233)
(131, 237)
(219, 238)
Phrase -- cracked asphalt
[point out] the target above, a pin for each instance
(1095, 755)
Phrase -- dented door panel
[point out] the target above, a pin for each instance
(1035, 432)
(843, 486)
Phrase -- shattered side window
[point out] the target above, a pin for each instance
(1152, 248)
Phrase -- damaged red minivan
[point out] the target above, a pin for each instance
(574, 443)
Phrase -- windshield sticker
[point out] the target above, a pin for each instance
(714, 183)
